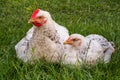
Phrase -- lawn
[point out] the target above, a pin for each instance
(79, 16)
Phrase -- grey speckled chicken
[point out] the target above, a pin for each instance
(108, 47)
(45, 39)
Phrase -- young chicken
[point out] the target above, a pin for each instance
(83, 49)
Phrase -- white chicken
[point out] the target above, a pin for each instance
(83, 49)
(46, 38)
(108, 47)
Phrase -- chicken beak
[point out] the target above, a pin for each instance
(31, 21)
(68, 42)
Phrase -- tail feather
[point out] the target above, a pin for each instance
(112, 43)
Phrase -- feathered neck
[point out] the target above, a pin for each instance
(47, 29)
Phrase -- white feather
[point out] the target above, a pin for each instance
(22, 46)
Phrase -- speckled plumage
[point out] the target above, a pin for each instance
(107, 46)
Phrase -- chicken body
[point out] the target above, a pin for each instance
(108, 47)
(44, 42)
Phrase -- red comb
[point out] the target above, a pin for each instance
(35, 13)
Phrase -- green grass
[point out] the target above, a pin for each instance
(79, 16)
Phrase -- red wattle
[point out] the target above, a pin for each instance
(37, 24)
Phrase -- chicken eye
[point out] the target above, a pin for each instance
(40, 17)
(75, 39)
